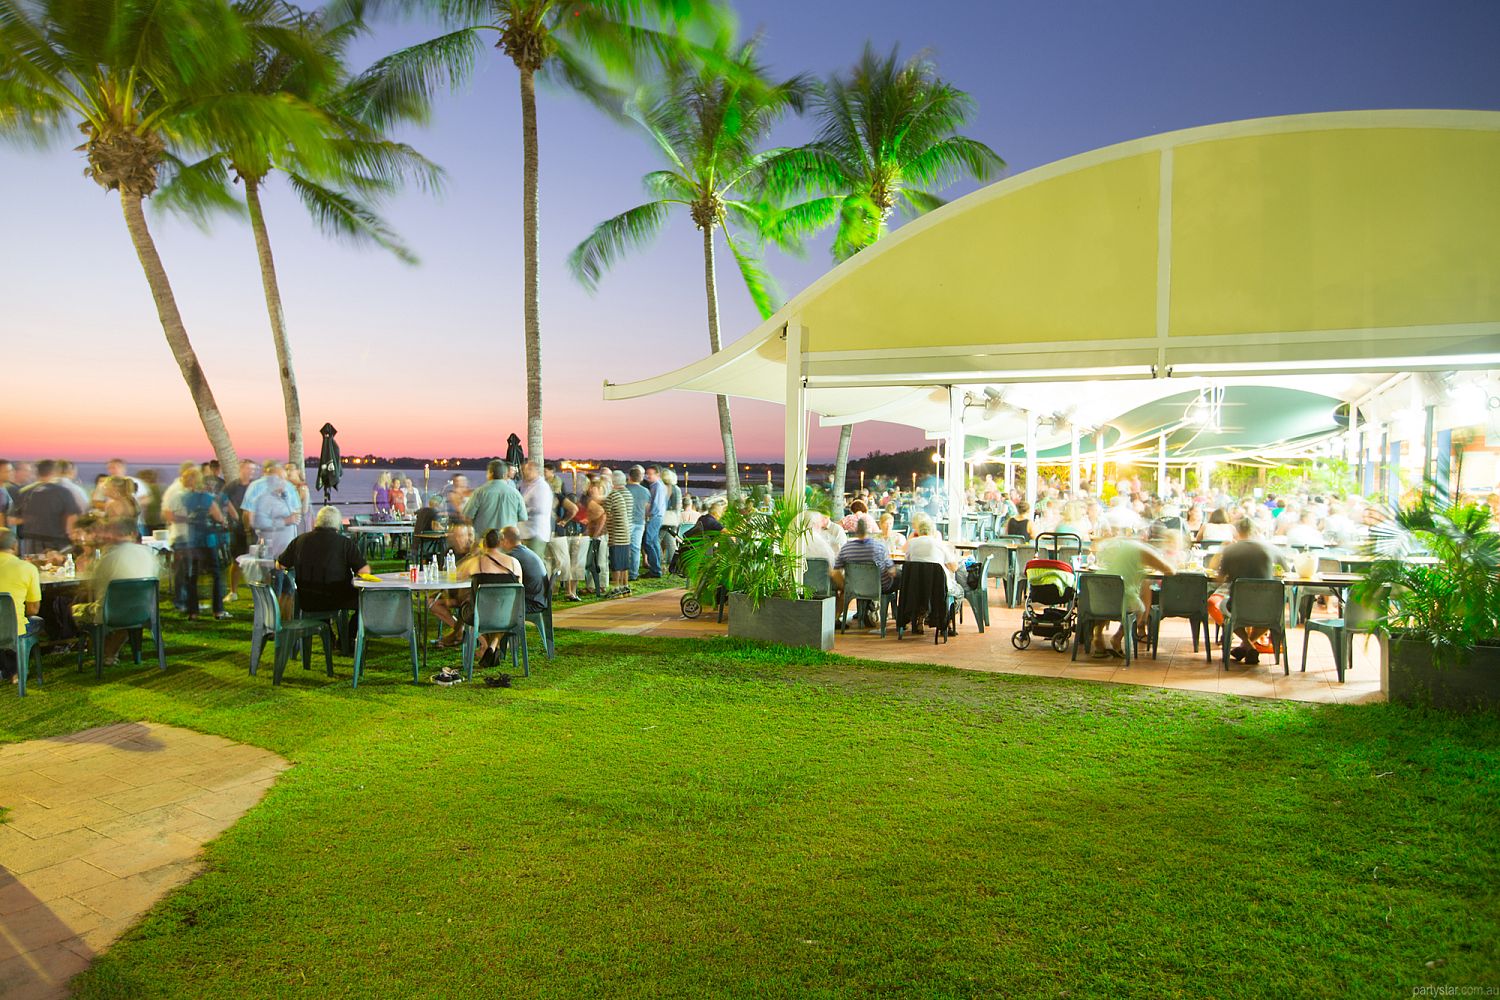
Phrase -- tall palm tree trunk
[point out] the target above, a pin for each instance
(289, 399)
(176, 332)
(529, 253)
(726, 431)
(841, 468)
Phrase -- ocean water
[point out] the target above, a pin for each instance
(358, 482)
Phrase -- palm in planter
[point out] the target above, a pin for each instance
(1442, 613)
(759, 554)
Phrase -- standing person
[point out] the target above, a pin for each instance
(6, 497)
(619, 509)
(47, 510)
(497, 504)
(197, 507)
(564, 558)
(151, 516)
(177, 533)
(656, 510)
(23, 583)
(458, 495)
(671, 519)
(596, 530)
(380, 497)
(641, 500)
(413, 496)
(274, 509)
(297, 480)
(67, 475)
(239, 544)
(536, 495)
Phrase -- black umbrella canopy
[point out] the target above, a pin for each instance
(330, 462)
(513, 453)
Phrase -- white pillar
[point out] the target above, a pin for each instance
(1031, 459)
(953, 471)
(1161, 465)
(1075, 486)
(795, 439)
(1010, 471)
(1099, 458)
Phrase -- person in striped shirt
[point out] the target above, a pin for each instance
(619, 510)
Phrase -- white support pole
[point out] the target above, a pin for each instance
(1010, 470)
(953, 471)
(1031, 459)
(795, 439)
(1099, 457)
(1075, 485)
(1161, 465)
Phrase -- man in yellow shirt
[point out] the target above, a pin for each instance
(21, 581)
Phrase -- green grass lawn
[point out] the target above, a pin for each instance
(703, 818)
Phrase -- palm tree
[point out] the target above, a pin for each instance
(580, 44)
(302, 56)
(709, 125)
(887, 137)
(141, 78)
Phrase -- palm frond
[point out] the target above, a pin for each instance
(611, 239)
(340, 214)
(763, 289)
(199, 191)
(951, 159)
(401, 86)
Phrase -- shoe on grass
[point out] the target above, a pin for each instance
(447, 677)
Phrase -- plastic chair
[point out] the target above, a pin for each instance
(996, 559)
(497, 607)
(1101, 598)
(816, 578)
(1306, 595)
(338, 620)
(979, 597)
(543, 622)
(1257, 604)
(1019, 557)
(385, 614)
(862, 582)
(1184, 595)
(267, 624)
(1358, 618)
(22, 645)
(128, 605)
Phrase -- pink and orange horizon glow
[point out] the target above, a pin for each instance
(428, 359)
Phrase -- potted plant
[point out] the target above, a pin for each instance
(1443, 614)
(757, 559)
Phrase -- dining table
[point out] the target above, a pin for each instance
(401, 580)
(364, 534)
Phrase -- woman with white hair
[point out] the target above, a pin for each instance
(671, 518)
(925, 546)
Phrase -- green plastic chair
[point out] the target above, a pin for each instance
(497, 607)
(543, 622)
(22, 645)
(1101, 598)
(128, 605)
(1257, 604)
(1183, 595)
(979, 597)
(862, 583)
(1359, 618)
(816, 579)
(385, 614)
(285, 635)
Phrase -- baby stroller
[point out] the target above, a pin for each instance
(1048, 603)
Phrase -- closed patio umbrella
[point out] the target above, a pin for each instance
(330, 463)
(513, 453)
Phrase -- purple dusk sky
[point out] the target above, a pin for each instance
(427, 359)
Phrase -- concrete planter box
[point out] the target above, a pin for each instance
(1472, 684)
(789, 623)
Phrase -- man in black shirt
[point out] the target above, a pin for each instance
(326, 563)
(46, 510)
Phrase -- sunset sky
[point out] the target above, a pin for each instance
(427, 359)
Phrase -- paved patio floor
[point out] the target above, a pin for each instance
(101, 824)
(1178, 666)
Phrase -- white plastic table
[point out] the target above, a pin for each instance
(402, 581)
